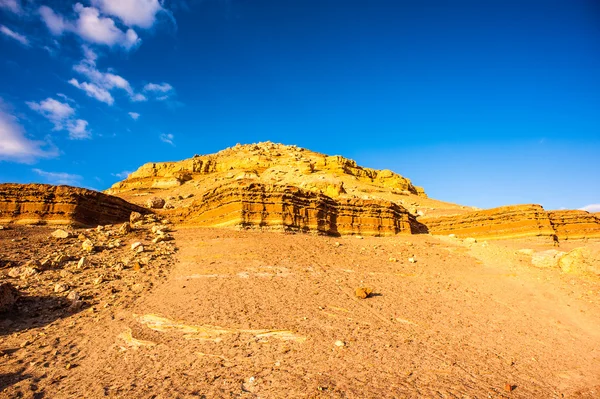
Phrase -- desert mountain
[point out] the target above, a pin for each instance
(276, 186)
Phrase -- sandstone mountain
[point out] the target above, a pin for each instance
(275, 186)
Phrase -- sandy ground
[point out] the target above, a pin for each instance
(272, 315)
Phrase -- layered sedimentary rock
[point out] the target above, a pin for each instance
(504, 222)
(575, 224)
(517, 221)
(268, 163)
(43, 203)
(245, 203)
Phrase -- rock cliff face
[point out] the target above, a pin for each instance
(575, 224)
(516, 222)
(43, 203)
(503, 222)
(248, 204)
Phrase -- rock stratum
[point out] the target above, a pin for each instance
(47, 204)
(516, 222)
(246, 203)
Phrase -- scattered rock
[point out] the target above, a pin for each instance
(60, 287)
(547, 258)
(135, 217)
(60, 233)
(88, 246)
(83, 263)
(125, 228)
(363, 292)
(155, 203)
(73, 296)
(8, 297)
(136, 245)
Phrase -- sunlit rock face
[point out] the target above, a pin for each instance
(47, 204)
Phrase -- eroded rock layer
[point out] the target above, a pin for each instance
(574, 224)
(515, 222)
(248, 204)
(504, 222)
(43, 203)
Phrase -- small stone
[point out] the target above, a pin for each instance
(125, 228)
(99, 280)
(169, 205)
(60, 233)
(412, 260)
(339, 344)
(136, 245)
(470, 240)
(8, 297)
(135, 217)
(363, 292)
(73, 296)
(99, 228)
(2, 227)
(452, 235)
(393, 259)
(26, 343)
(140, 249)
(155, 203)
(337, 244)
(83, 263)
(60, 287)
(88, 246)
(359, 237)
(508, 387)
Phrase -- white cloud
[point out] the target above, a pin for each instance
(78, 129)
(101, 83)
(134, 115)
(14, 35)
(122, 175)
(11, 5)
(591, 208)
(158, 88)
(52, 109)
(140, 13)
(90, 26)
(62, 116)
(94, 91)
(55, 22)
(167, 138)
(15, 146)
(59, 177)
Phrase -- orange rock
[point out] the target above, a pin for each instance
(363, 292)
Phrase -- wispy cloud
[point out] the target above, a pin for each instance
(591, 208)
(11, 5)
(62, 116)
(122, 175)
(14, 35)
(167, 138)
(90, 26)
(160, 91)
(59, 177)
(140, 13)
(101, 83)
(14, 144)
(134, 115)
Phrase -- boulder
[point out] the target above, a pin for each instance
(8, 297)
(155, 203)
(135, 217)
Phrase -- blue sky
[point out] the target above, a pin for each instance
(483, 103)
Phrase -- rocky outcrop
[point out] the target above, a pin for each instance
(515, 222)
(268, 162)
(47, 204)
(504, 222)
(245, 203)
(575, 224)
